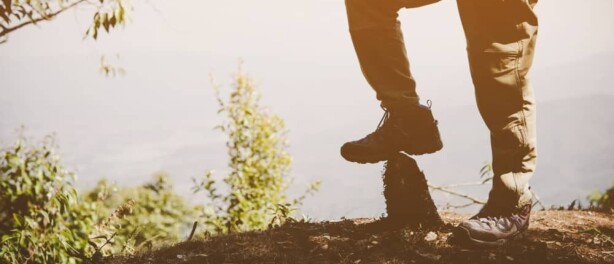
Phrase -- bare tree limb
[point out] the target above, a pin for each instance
(455, 193)
(479, 183)
(451, 206)
(538, 200)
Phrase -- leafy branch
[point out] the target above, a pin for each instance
(31, 20)
(15, 15)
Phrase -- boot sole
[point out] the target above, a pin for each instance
(402, 224)
(462, 236)
(415, 150)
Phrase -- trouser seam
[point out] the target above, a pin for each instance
(523, 131)
(523, 128)
(519, 89)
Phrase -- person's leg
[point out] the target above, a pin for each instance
(501, 39)
(378, 42)
(380, 48)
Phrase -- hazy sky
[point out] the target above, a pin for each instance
(277, 38)
(159, 116)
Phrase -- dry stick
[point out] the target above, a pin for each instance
(453, 192)
(463, 184)
(537, 200)
(471, 198)
(193, 230)
(449, 206)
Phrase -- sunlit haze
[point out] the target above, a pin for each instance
(160, 115)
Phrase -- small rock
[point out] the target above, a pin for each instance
(509, 258)
(179, 256)
(431, 236)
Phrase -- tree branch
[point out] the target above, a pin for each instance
(6, 30)
(452, 206)
(453, 192)
(462, 185)
(538, 201)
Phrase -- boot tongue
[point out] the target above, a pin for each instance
(407, 103)
(492, 210)
(407, 111)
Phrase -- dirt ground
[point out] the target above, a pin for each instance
(553, 237)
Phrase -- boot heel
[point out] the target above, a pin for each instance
(431, 143)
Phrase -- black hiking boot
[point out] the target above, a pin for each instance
(490, 228)
(408, 201)
(411, 129)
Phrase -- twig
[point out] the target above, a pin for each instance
(448, 206)
(463, 184)
(453, 192)
(538, 200)
(193, 230)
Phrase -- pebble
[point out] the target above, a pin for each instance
(431, 236)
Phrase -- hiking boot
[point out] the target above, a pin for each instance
(490, 228)
(411, 129)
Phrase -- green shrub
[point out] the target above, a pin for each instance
(41, 217)
(151, 214)
(602, 200)
(259, 166)
(44, 220)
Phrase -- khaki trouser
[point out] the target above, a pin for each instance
(501, 38)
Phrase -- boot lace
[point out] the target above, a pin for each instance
(381, 127)
(494, 219)
(385, 118)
